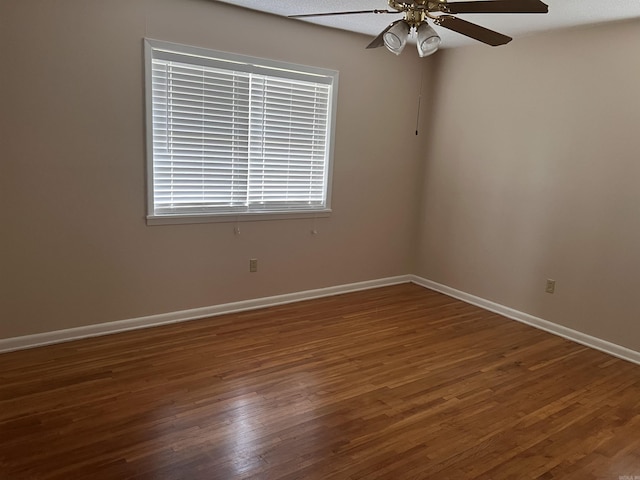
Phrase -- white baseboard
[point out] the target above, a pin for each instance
(574, 335)
(59, 336)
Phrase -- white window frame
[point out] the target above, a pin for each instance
(202, 56)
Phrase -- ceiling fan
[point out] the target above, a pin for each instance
(441, 13)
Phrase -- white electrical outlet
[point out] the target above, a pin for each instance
(253, 265)
(551, 286)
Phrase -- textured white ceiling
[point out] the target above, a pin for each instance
(562, 14)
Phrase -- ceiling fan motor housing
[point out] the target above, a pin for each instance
(414, 17)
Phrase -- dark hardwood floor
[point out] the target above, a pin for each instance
(395, 383)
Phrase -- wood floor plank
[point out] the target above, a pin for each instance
(393, 383)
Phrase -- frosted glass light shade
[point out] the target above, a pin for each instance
(428, 40)
(396, 37)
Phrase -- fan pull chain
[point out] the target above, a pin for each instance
(419, 101)
(418, 116)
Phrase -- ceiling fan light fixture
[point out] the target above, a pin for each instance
(395, 38)
(428, 40)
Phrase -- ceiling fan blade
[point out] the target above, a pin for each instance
(472, 30)
(339, 13)
(379, 40)
(495, 6)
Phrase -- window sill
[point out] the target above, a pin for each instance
(233, 217)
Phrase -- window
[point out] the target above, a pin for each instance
(235, 136)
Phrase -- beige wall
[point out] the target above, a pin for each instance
(75, 249)
(533, 172)
(530, 172)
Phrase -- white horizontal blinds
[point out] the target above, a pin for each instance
(200, 138)
(288, 143)
(234, 136)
